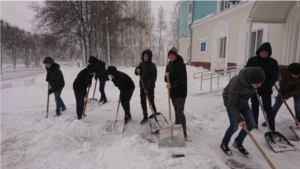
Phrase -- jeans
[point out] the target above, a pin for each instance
(278, 104)
(126, 102)
(248, 116)
(178, 105)
(267, 106)
(144, 102)
(59, 102)
(101, 89)
(79, 96)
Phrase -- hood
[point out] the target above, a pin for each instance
(91, 68)
(54, 66)
(112, 70)
(93, 60)
(264, 47)
(243, 77)
(149, 53)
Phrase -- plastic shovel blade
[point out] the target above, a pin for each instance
(156, 120)
(176, 141)
(278, 142)
(296, 131)
(92, 102)
(117, 129)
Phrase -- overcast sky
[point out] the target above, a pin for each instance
(18, 14)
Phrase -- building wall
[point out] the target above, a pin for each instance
(275, 37)
(183, 47)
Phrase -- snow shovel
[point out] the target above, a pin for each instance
(294, 129)
(171, 136)
(47, 109)
(93, 101)
(276, 140)
(84, 107)
(156, 119)
(115, 127)
(259, 148)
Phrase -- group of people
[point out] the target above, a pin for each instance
(257, 78)
(175, 72)
(255, 81)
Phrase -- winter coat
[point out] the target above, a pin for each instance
(122, 81)
(55, 77)
(288, 85)
(269, 66)
(237, 93)
(148, 71)
(178, 78)
(101, 73)
(82, 80)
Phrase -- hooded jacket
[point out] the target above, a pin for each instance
(178, 78)
(55, 77)
(289, 86)
(269, 66)
(99, 65)
(121, 80)
(83, 79)
(237, 93)
(148, 71)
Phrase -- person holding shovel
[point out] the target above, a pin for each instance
(289, 86)
(80, 85)
(101, 74)
(176, 72)
(126, 87)
(236, 95)
(55, 78)
(148, 72)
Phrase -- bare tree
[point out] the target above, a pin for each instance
(161, 26)
(174, 28)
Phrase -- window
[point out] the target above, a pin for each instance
(224, 4)
(190, 13)
(222, 52)
(256, 41)
(190, 8)
(202, 47)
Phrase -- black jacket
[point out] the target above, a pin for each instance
(121, 80)
(148, 71)
(269, 66)
(82, 80)
(55, 77)
(99, 66)
(178, 78)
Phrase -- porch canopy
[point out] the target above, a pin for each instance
(270, 11)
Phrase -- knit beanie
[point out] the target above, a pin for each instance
(173, 51)
(111, 70)
(294, 68)
(48, 60)
(255, 75)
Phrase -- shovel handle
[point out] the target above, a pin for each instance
(146, 94)
(116, 115)
(95, 89)
(259, 148)
(84, 107)
(48, 95)
(287, 106)
(170, 115)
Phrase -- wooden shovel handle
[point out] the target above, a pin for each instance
(95, 89)
(48, 95)
(85, 103)
(259, 148)
(116, 115)
(170, 115)
(287, 106)
(150, 104)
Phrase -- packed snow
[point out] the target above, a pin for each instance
(29, 140)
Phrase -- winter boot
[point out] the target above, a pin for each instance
(226, 149)
(264, 124)
(58, 114)
(127, 119)
(185, 136)
(240, 147)
(145, 120)
(63, 109)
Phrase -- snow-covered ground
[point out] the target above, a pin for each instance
(29, 140)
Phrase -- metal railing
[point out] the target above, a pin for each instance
(217, 74)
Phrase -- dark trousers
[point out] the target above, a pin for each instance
(178, 104)
(79, 96)
(144, 101)
(126, 102)
(59, 102)
(101, 89)
(234, 126)
(267, 105)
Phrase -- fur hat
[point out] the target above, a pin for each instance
(255, 75)
(48, 60)
(294, 68)
(173, 51)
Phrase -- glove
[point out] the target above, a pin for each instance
(50, 91)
